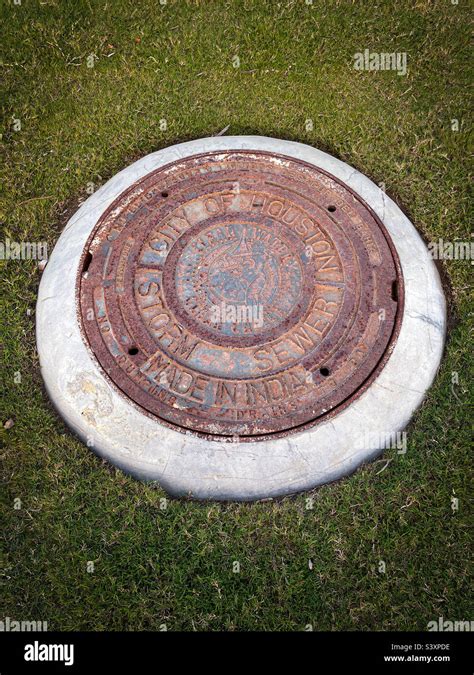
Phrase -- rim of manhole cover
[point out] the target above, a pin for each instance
(238, 318)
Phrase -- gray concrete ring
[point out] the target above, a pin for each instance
(187, 464)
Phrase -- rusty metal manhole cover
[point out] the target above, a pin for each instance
(239, 294)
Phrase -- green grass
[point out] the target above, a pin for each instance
(82, 125)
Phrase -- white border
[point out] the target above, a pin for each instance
(184, 464)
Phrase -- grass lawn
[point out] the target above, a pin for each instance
(67, 128)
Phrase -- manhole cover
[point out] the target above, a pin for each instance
(238, 318)
(239, 293)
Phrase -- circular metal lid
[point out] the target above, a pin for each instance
(239, 293)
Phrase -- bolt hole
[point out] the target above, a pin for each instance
(395, 290)
(324, 371)
(164, 193)
(331, 208)
(87, 262)
(133, 351)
